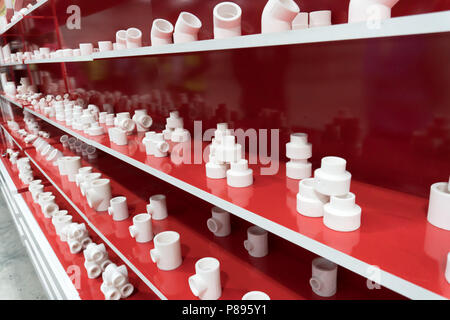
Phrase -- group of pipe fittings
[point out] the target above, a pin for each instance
(115, 283)
(25, 171)
(328, 195)
(95, 259)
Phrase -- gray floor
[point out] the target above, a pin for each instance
(18, 279)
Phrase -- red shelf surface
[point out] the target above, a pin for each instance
(398, 218)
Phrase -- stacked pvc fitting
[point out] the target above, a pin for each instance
(115, 282)
(328, 195)
(225, 159)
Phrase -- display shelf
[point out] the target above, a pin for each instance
(186, 218)
(11, 100)
(13, 182)
(398, 218)
(59, 60)
(34, 7)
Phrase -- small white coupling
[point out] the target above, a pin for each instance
(186, 28)
(342, 213)
(157, 207)
(301, 21)
(50, 209)
(320, 18)
(298, 150)
(167, 251)
(133, 38)
(278, 15)
(255, 295)
(142, 120)
(219, 223)
(310, 203)
(324, 277)
(86, 49)
(240, 175)
(205, 283)
(99, 194)
(227, 20)
(370, 10)
(257, 243)
(331, 178)
(161, 32)
(439, 205)
(115, 283)
(118, 208)
(141, 229)
(121, 40)
(105, 46)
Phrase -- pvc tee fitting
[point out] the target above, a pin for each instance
(118, 208)
(257, 243)
(161, 32)
(219, 223)
(342, 214)
(324, 277)
(167, 251)
(141, 230)
(439, 205)
(205, 283)
(157, 207)
(99, 194)
(331, 178)
(239, 175)
(227, 20)
(298, 150)
(310, 202)
(186, 28)
(278, 15)
(366, 10)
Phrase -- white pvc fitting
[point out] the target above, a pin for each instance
(86, 49)
(105, 46)
(310, 202)
(219, 223)
(447, 268)
(118, 208)
(95, 252)
(71, 166)
(240, 175)
(142, 120)
(298, 150)
(99, 194)
(110, 292)
(82, 172)
(157, 207)
(119, 136)
(320, 18)
(74, 246)
(186, 28)
(278, 15)
(227, 20)
(301, 21)
(121, 39)
(159, 146)
(257, 243)
(205, 283)
(324, 277)
(342, 213)
(167, 251)
(141, 230)
(60, 222)
(370, 10)
(126, 290)
(331, 178)
(50, 209)
(134, 38)
(93, 270)
(115, 276)
(161, 32)
(215, 170)
(86, 181)
(439, 205)
(255, 295)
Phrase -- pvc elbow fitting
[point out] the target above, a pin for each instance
(133, 38)
(161, 32)
(186, 28)
(205, 283)
(219, 223)
(331, 178)
(278, 15)
(342, 213)
(439, 205)
(240, 175)
(227, 20)
(310, 202)
(364, 10)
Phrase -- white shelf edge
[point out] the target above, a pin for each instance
(34, 7)
(8, 180)
(394, 283)
(12, 138)
(400, 26)
(100, 234)
(62, 59)
(10, 100)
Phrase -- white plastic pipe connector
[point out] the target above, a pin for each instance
(93, 269)
(439, 205)
(142, 120)
(310, 202)
(141, 230)
(60, 221)
(167, 251)
(86, 181)
(71, 166)
(278, 15)
(331, 178)
(134, 38)
(240, 175)
(99, 194)
(105, 46)
(115, 276)
(86, 49)
(118, 208)
(215, 169)
(320, 18)
(157, 207)
(121, 40)
(50, 209)
(324, 277)
(161, 32)
(227, 20)
(228, 150)
(186, 28)
(257, 243)
(95, 252)
(205, 283)
(365, 10)
(342, 213)
(256, 295)
(82, 172)
(298, 150)
(301, 21)
(110, 292)
(219, 223)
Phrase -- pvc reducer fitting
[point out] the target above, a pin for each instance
(227, 20)
(310, 202)
(161, 32)
(186, 28)
(278, 15)
(331, 178)
(342, 213)
(240, 175)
